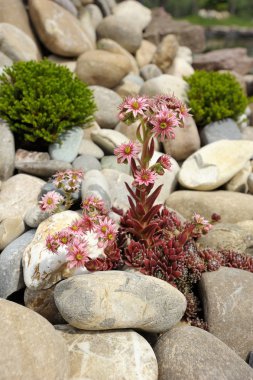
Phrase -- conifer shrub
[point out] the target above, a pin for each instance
(215, 96)
(41, 100)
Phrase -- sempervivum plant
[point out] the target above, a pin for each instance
(150, 238)
(41, 100)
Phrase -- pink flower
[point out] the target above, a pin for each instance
(50, 201)
(125, 152)
(144, 177)
(183, 111)
(76, 227)
(93, 206)
(163, 124)
(106, 231)
(65, 237)
(164, 160)
(135, 105)
(77, 254)
(199, 219)
(52, 243)
(68, 180)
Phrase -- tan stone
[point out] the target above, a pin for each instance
(118, 299)
(14, 12)
(10, 229)
(239, 181)
(228, 307)
(19, 193)
(187, 352)
(233, 207)
(215, 164)
(133, 10)
(145, 53)
(102, 68)
(113, 47)
(30, 347)
(180, 68)
(165, 52)
(125, 354)
(7, 152)
(16, 44)
(58, 29)
(186, 142)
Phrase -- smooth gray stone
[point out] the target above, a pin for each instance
(86, 162)
(49, 186)
(110, 162)
(250, 183)
(68, 149)
(34, 216)
(7, 152)
(150, 71)
(96, 184)
(134, 79)
(43, 168)
(226, 129)
(11, 272)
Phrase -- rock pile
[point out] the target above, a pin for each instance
(105, 320)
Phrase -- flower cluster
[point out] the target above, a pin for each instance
(96, 224)
(68, 182)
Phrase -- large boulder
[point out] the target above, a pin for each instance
(194, 354)
(30, 347)
(235, 59)
(58, 29)
(228, 307)
(102, 68)
(117, 299)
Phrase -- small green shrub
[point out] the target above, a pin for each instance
(41, 100)
(214, 96)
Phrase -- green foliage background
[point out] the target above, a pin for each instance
(41, 100)
(215, 96)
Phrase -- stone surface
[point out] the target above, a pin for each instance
(133, 10)
(220, 130)
(227, 236)
(250, 183)
(68, 149)
(42, 168)
(67, 62)
(235, 59)
(88, 147)
(110, 162)
(34, 216)
(102, 68)
(11, 272)
(14, 12)
(58, 29)
(192, 36)
(28, 342)
(191, 353)
(113, 47)
(184, 53)
(180, 68)
(107, 102)
(186, 142)
(86, 24)
(10, 228)
(42, 268)
(215, 164)
(19, 193)
(94, 12)
(7, 152)
(16, 44)
(126, 32)
(145, 53)
(126, 354)
(165, 84)
(96, 184)
(116, 299)
(42, 302)
(23, 155)
(240, 181)
(233, 207)
(68, 5)
(108, 139)
(150, 71)
(166, 52)
(228, 307)
(86, 163)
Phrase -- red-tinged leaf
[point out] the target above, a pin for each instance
(150, 230)
(132, 193)
(132, 208)
(139, 209)
(133, 166)
(138, 134)
(151, 148)
(152, 197)
(151, 213)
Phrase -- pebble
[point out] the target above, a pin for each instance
(95, 183)
(108, 139)
(7, 152)
(86, 162)
(68, 149)
(43, 169)
(220, 130)
(88, 147)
